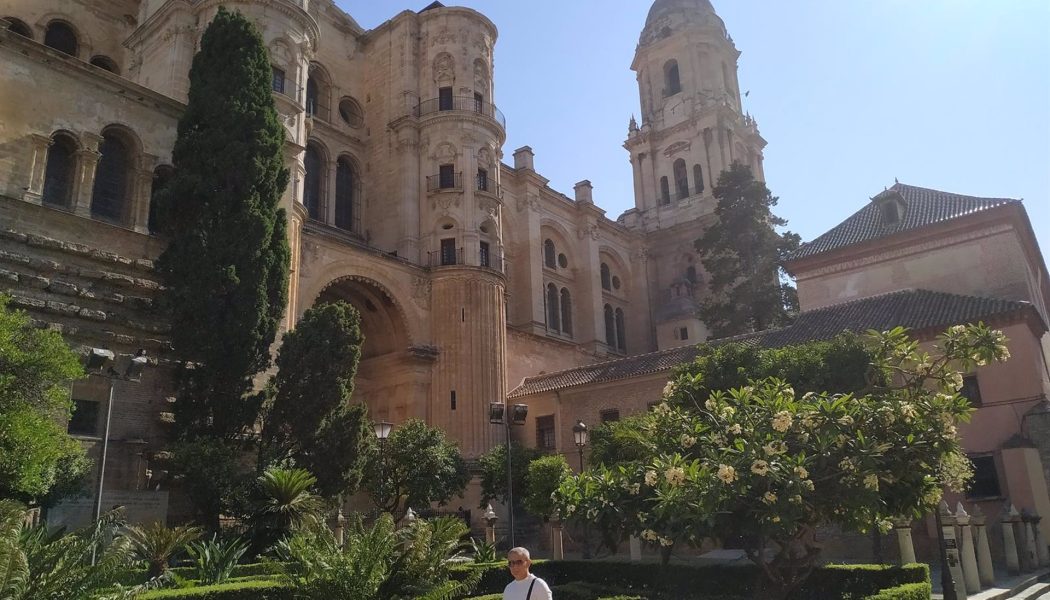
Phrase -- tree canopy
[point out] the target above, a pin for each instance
(743, 255)
(494, 472)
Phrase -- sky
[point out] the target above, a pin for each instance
(849, 94)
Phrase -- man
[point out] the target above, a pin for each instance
(525, 586)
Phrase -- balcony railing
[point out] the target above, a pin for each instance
(445, 181)
(461, 104)
(487, 185)
(447, 258)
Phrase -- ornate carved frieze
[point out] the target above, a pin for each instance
(421, 288)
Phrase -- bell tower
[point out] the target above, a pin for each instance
(692, 128)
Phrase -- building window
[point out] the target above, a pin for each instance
(161, 178)
(616, 282)
(314, 167)
(606, 277)
(278, 80)
(546, 437)
(549, 254)
(110, 194)
(683, 333)
(483, 180)
(479, 102)
(18, 27)
(681, 180)
(566, 311)
(351, 112)
(553, 308)
(609, 415)
(344, 195)
(563, 261)
(665, 191)
(448, 251)
(698, 178)
(58, 172)
(890, 214)
(312, 96)
(84, 420)
(621, 333)
(452, 400)
(985, 482)
(105, 63)
(672, 81)
(971, 390)
(61, 37)
(610, 327)
(445, 98)
(447, 176)
(483, 254)
(690, 274)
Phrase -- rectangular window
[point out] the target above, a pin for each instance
(447, 176)
(483, 180)
(546, 439)
(445, 98)
(452, 399)
(479, 102)
(448, 251)
(683, 333)
(278, 80)
(84, 420)
(483, 254)
(971, 390)
(610, 414)
(985, 482)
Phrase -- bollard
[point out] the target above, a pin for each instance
(1029, 540)
(636, 548)
(985, 570)
(1041, 550)
(966, 551)
(557, 544)
(1013, 565)
(902, 527)
(951, 546)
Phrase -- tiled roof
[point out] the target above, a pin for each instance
(921, 207)
(914, 309)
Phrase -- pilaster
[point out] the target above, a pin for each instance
(38, 145)
(87, 158)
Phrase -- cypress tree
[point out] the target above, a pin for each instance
(226, 267)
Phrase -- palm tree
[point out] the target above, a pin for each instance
(157, 544)
(285, 501)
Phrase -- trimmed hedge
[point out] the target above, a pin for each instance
(240, 590)
(908, 591)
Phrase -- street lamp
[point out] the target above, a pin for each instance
(382, 429)
(579, 435)
(498, 416)
(410, 517)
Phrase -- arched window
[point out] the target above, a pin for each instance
(698, 178)
(606, 277)
(665, 191)
(312, 96)
(566, 311)
(610, 327)
(161, 178)
(61, 37)
(318, 92)
(344, 195)
(549, 254)
(553, 308)
(104, 62)
(681, 179)
(621, 333)
(18, 27)
(672, 82)
(109, 198)
(312, 182)
(58, 172)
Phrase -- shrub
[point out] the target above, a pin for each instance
(241, 590)
(215, 559)
(908, 591)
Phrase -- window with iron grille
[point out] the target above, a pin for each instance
(483, 180)
(546, 438)
(483, 254)
(278, 80)
(985, 481)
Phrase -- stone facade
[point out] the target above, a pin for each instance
(470, 273)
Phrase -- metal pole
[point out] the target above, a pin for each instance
(102, 460)
(947, 583)
(510, 482)
(581, 458)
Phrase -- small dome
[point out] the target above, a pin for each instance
(667, 16)
(663, 8)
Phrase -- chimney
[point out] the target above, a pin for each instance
(523, 158)
(584, 192)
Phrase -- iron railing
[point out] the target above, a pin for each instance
(447, 258)
(445, 181)
(461, 104)
(487, 185)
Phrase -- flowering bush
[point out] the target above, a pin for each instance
(770, 465)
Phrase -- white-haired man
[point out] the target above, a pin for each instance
(525, 586)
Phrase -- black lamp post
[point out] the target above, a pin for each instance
(498, 416)
(382, 430)
(579, 435)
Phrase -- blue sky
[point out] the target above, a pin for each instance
(849, 94)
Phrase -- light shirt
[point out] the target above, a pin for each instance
(517, 590)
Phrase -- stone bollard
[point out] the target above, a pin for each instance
(1029, 540)
(557, 543)
(1013, 565)
(902, 527)
(984, 554)
(951, 545)
(490, 525)
(340, 524)
(967, 554)
(1041, 550)
(635, 545)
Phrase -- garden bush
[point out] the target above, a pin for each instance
(908, 591)
(240, 590)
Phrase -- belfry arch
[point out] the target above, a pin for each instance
(393, 378)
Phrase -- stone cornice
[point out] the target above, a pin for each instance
(100, 78)
(459, 116)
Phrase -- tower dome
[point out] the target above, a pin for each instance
(661, 8)
(666, 16)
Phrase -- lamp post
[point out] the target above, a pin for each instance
(498, 416)
(579, 435)
(100, 362)
(382, 430)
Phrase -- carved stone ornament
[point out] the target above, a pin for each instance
(444, 67)
(421, 291)
(676, 148)
(589, 230)
(529, 201)
(443, 36)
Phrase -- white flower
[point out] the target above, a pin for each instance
(782, 421)
(775, 519)
(649, 535)
(688, 441)
(669, 389)
(666, 541)
(957, 329)
(675, 476)
(796, 499)
(769, 498)
(760, 467)
(736, 429)
(634, 489)
(650, 478)
(956, 381)
(727, 412)
(871, 482)
(908, 411)
(885, 525)
(847, 465)
(801, 472)
(774, 448)
(808, 484)
(711, 404)
(726, 473)
(662, 408)
(846, 420)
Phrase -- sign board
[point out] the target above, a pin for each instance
(140, 507)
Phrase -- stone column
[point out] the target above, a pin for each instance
(1041, 550)
(34, 188)
(141, 193)
(1031, 557)
(87, 158)
(1013, 566)
(985, 570)
(902, 527)
(951, 545)
(966, 551)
